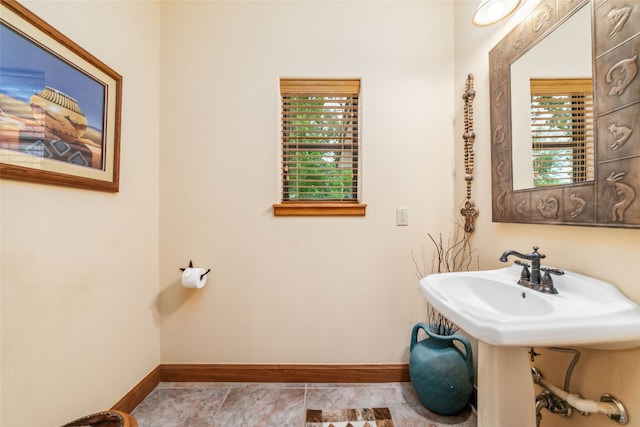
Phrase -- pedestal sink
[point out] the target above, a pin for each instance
(494, 309)
(507, 318)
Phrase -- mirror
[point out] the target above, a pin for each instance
(601, 183)
(552, 126)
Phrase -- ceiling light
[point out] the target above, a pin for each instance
(491, 11)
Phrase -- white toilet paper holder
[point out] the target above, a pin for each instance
(191, 266)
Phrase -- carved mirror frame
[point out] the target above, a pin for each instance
(613, 199)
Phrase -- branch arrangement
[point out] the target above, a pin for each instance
(450, 255)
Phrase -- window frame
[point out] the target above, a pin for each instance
(319, 207)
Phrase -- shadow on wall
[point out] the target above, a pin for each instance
(170, 299)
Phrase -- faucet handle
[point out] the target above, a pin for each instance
(525, 276)
(555, 271)
(546, 285)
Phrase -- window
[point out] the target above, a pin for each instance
(562, 131)
(320, 163)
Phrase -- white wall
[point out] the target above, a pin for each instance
(79, 268)
(298, 290)
(609, 254)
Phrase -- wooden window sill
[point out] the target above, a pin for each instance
(319, 209)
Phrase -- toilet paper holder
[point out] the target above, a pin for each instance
(191, 266)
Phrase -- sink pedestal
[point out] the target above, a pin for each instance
(506, 396)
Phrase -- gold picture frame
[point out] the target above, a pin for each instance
(60, 107)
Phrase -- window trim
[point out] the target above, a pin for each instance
(320, 207)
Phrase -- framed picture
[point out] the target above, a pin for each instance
(59, 107)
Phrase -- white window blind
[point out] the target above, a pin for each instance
(320, 141)
(562, 131)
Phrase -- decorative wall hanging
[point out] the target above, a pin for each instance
(59, 107)
(469, 211)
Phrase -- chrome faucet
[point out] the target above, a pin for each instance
(534, 279)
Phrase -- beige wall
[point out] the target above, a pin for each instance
(608, 254)
(298, 290)
(84, 318)
(79, 268)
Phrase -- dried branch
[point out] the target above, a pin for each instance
(438, 324)
(454, 255)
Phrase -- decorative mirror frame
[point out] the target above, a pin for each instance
(613, 199)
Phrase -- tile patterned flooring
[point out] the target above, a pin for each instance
(281, 405)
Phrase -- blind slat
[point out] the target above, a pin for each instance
(562, 131)
(320, 139)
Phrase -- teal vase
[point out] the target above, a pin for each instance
(441, 374)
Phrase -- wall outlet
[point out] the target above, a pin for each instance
(402, 216)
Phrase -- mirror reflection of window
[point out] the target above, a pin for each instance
(563, 150)
(565, 53)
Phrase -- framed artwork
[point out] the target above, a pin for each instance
(59, 107)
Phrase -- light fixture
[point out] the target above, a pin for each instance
(491, 11)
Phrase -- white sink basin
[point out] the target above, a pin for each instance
(493, 308)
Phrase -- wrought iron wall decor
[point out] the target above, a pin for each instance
(469, 211)
(613, 199)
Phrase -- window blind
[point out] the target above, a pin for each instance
(320, 140)
(562, 131)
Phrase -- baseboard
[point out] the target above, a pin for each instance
(284, 373)
(137, 394)
(271, 373)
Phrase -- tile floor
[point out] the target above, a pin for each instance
(281, 405)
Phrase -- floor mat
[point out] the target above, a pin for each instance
(363, 417)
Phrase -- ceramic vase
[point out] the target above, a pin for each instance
(441, 373)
